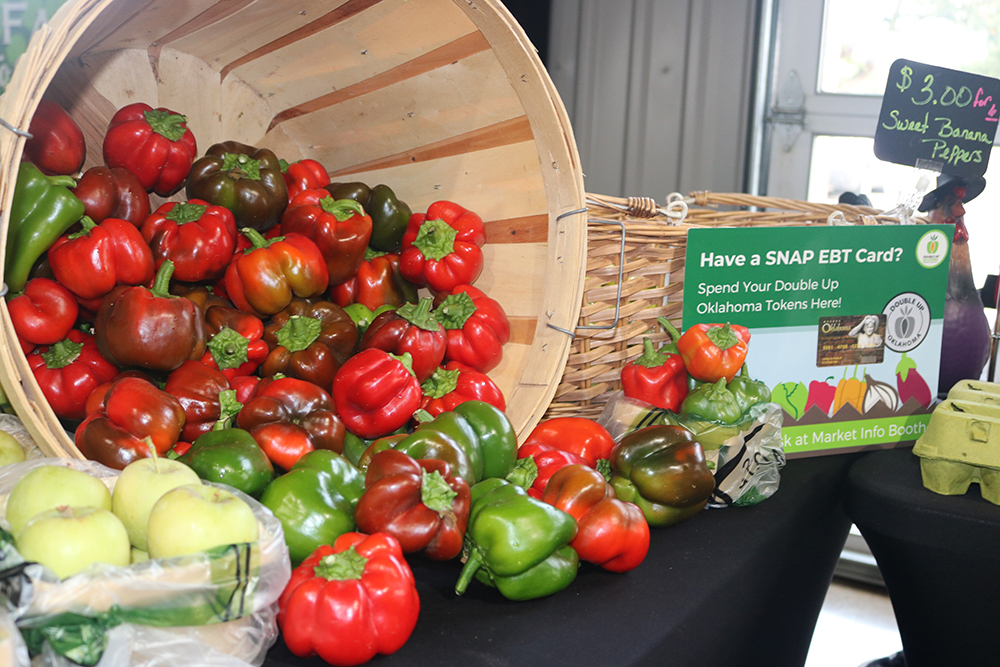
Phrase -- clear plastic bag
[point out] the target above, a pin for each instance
(221, 600)
(746, 458)
(13, 651)
(13, 425)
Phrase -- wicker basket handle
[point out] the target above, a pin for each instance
(675, 211)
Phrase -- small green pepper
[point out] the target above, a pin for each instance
(230, 456)
(42, 210)
(747, 391)
(714, 402)
(520, 544)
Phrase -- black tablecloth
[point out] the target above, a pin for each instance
(939, 556)
(738, 586)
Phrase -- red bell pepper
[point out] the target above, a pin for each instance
(93, 261)
(477, 327)
(377, 283)
(43, 314)
(200, 238)
(454, 384)
(150, 328)
(712, 351)
(133, 410)
(235, 344)
(154, 144)
(537, 462)
(305, 174)
(205, 395)
(264, 279)
(376, 393)
(821, 394)
(69, 371)
(340, 227)
(350, 601)
(112, 193)
(579, 435)
(57, 145)
(419, 502)
(310, 341)
(289, 418)
(656, 377)
(610, 533)
(442, 248)
(412, 329)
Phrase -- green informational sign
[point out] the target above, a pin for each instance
(19, 19)
(846, 323)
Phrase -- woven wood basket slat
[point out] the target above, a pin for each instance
(652, 277)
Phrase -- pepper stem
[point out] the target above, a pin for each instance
(435, 239)
(669, 328)
(229, 349)
(454, 310)
(419, 314)
(299, 332)
(472, 563)
(88, 224)
(62, 354)
(161, 286)
(256, 238)
(341, 209)
(435, 493)
(524, 473)
(722, 337)
(650, 357)
(441, 383)
(341, 566)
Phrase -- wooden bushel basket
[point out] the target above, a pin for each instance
(635, 274)
(439, 99)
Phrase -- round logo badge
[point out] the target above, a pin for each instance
(932, 248)
(907, 320)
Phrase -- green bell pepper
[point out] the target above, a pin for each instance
(714, 402)
(665, 465)
(747, 391)
(426, 444)
(314, 507)
(486, 434)
(42, 210)
(230, 456)
(519, 544)
(350, 481)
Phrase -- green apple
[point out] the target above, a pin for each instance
(140, 485)
(70, 539)
(196, 517)
(50, 486)
(139, 556)
(11, 450)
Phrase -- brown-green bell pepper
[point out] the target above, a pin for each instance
(245, 179)
(389, 214)
(665, 466)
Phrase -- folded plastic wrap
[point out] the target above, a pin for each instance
(222, 599)
(13, 425)
(746, 458)
(13, 650)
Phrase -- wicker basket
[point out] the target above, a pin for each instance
(635, 274)
(440, 99)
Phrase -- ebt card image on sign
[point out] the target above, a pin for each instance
(850, 340)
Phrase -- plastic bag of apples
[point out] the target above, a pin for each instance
(96, 561)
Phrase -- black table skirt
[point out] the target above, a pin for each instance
(733, 587)
(939, 556)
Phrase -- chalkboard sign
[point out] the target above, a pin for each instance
(937, 118)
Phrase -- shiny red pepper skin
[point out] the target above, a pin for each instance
(198, 388)
(69, 371)
(714, 351)
(92, 262)
(57, 145)
(375, 393)
(442, 248)
(306, 174)
(264, 279)
(656, 377)
(339, 227)
(349, 619)
(548, 460)
(579, 435)
(149, 328)
(161, 158)
(310, 341)
(610, 533)
(477, 327)
(454, 384)
(132, 410)
(43, 314)
(112, 193)
(409, 329)
(228, 353)
(198, 237)
(377, 283)
(403, 498)
(289, 418)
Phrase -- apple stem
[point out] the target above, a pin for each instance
(152, 453)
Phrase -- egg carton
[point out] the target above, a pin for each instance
(961, 445)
